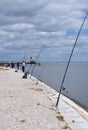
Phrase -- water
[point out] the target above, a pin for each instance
(76, 82)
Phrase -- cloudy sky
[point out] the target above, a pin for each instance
(28, 25)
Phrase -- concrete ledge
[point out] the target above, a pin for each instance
(70, 112)
(79, 109)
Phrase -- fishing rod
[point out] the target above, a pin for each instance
(61, 87)
(36, 60)
(40, 74)
(41, 71)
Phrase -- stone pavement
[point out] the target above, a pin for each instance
(26, 106)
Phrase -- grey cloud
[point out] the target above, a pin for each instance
(21, 8)
(31, 24)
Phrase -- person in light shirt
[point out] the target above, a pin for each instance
(23, 66)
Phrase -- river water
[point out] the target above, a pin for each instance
(76, 81)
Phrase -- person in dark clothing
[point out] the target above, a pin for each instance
(12, 65)
(18, 65)
(25, 75)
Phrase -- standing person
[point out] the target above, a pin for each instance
(12, 65)
(18, 65)
(23, 66)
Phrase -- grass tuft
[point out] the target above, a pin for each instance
(23, 120)
(66, 127)
(60, 117)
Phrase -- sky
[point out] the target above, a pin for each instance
(26, 26)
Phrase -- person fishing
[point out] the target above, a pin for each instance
(25, 75)
(23, 66)
(12, 64)
(17, 65)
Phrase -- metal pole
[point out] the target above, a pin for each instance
(70, 59)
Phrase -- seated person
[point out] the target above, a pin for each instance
(25, 75)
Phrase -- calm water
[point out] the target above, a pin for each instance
(76, 82)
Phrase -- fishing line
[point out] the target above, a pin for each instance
(61, 87)
(36, 60)
(42, 69)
